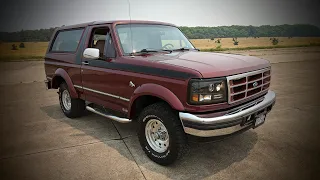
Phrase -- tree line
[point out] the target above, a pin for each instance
(298, 30)
(39, 35)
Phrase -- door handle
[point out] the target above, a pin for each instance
(85, 62)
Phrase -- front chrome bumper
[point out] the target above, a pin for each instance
(197, 125)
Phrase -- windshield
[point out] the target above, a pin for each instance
(141, 37)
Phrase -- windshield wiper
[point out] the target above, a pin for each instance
(143, 51)
(146, 50)
(150, 50)
(181, 49)
(185, 49)
(166, 50)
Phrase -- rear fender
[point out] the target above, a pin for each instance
(63, 74)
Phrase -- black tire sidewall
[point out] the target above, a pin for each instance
(171, 153)
(146, 146)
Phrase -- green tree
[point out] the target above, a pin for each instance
(22, 45)
(235, 41)
(14, 47)
(274, 41)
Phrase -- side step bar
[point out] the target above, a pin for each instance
(115, 118)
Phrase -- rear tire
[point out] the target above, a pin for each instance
(161, 135)
(71, 107)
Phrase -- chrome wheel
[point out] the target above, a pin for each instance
(66, 100)
(157, 135)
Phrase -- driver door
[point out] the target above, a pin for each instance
(98, 80)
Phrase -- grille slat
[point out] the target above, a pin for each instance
(243, 86)
(255, 80)
(239, 84)
(239, 92)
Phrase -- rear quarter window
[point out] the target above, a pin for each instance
(66, 40)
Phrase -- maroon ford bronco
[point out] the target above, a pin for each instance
(149, 72)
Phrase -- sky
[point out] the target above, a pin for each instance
(36, 14)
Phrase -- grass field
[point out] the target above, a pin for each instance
(254, 43)
(32, 50)
(36, 50)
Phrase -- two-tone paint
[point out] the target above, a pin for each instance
(161, 75)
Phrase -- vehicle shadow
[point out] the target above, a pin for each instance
(202, 160)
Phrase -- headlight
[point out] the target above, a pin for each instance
(207, 91)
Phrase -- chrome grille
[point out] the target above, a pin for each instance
(242, 86)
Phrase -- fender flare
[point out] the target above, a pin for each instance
(157, 91)
(63, 74)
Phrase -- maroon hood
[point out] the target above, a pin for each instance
(211, 64)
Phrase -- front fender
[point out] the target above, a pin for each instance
(62, 73)
(157, 91)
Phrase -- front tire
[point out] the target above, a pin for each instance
(71, 107)
(161, 134)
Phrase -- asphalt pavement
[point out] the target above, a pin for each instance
(38, 142)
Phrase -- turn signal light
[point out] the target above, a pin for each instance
(195, 97)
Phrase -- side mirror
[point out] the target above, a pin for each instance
(91, 53)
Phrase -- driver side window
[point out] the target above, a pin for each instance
(109, 50)
(101, 39)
